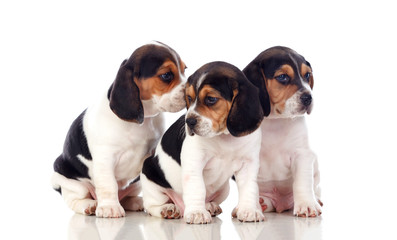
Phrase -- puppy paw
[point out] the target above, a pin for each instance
(110, 210)
(213, 208)
(266, 204)
(90, 207)
(197, 217)
(132, 203)
(170, 211)
(248, 214)
(307, 208)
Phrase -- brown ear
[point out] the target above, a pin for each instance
(246, 112)
(255, 76)
(311, 82)
(124, 96)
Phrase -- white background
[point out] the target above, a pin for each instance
(57, 57)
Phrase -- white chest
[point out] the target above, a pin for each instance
(280, 140)
(139, 144)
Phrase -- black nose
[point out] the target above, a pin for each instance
(191, 122)
(306, 99)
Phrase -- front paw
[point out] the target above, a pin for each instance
(307, 208)
(201, 216)
(248, 214)
(213, 208)
(110, 210)
(170, 211)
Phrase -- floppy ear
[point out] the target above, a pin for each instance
(246, 112)
(255, 76)
(124, 96)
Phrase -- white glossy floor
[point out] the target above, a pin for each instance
(139, 226)
(41, 213)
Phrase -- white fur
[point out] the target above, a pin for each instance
(203, 126)
(208, 164)
(171, 102)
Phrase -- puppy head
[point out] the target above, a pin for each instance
(155, 73)
(285, 78)
(220, 99)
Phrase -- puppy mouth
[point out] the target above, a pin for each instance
(190, 131)
(304, 109)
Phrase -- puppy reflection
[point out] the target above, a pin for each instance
(85, 227)
(281, 226)
(139, 226)
(160, 229)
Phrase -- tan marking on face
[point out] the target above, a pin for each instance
(305, 69)
(155, 85)
(218, 112)
(280, 93)
(285, 69)
(189, 92)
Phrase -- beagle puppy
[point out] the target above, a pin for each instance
(106, 145)
(217, 138)
(288, 175)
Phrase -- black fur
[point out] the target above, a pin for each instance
(246, 113)
(171, 142)
(67, 164)
(253, 73)
(173, 138)
(58, 190)
(153, 172)
(125, 100)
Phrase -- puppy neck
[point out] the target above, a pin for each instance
(150, 108)
(274, 115)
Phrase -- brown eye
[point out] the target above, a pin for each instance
(283, 78)
(167, 77)
(307, 76)
(189, 98)
(209, 101)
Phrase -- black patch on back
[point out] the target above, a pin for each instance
(67, 164)
(154, 173)
(171, 143)
(173, 138)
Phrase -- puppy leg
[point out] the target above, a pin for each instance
(305, 202)
(317, 189)
(194, 191)
(212, 205)
(248, 209)
(106, 188)
(129, 198)
(75, 193)
(156, 202)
